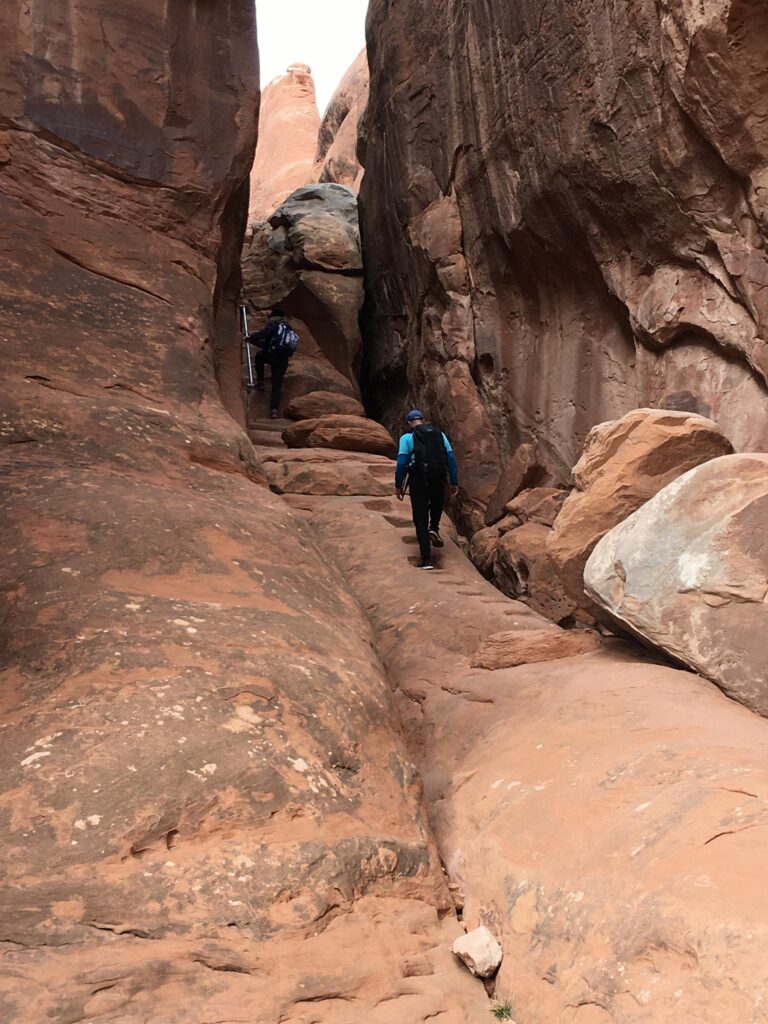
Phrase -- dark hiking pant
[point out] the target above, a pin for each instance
(427, 506)
(279, 363)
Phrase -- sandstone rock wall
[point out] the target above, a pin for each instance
(336, 157)
(285, 155)
(207, 810)
(565, 216)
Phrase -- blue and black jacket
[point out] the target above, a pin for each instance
(405, 459)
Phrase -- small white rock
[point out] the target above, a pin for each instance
(479, 951)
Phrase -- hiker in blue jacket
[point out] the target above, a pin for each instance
(277, 343)
(424, 461)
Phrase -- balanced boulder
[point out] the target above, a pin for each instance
(624, 463)
(349, 433)
(688, 572)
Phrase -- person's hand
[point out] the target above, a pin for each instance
(400, 494)
(453, 490)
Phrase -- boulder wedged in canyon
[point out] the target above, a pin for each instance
(307, 260)
(688, 573)
(208, 810)
(623, 465)
(601, 815)
(605, 173)
(336, 157)
(288, 125)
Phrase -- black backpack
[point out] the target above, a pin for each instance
(286, 340)
(429, 454)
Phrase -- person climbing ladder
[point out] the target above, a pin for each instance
(277, 342)
(424, 460)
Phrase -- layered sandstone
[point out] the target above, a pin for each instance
(288, 125)
(207, 807)
(336, 157)
(565, 217)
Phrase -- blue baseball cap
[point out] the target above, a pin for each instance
(414, 414)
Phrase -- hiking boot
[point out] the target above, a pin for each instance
(426, 564)
(274, 414)
(437, 540)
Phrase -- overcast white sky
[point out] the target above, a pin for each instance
(326, 34)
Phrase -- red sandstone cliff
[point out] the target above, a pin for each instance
(288, 126)
(336, 157)
(565, 216)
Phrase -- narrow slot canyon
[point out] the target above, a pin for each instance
(258, 767)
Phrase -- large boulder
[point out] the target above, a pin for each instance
(288, 125)
(688, 572)
(349, 433)
(321, 226)
(624, 463)
(307, 260)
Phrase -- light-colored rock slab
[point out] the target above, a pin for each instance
(624, 463)
(479, 951)
(688, 572)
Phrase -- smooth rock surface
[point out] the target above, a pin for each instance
(624, 463)
(601, 815)
(288, 125)
(688, 572)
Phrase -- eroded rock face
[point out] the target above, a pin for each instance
(623, 465)
(688, 572)
(288, 127)
(201, 780)
(307, 260)
(575, 227)
(336, 157)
